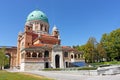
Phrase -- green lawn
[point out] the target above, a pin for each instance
(20, 76)
(106, 63)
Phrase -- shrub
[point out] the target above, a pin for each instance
(87, 68)
(51, 69)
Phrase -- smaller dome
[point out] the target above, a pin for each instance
(28, 24)
(20, 33)
(37, 15)
(54, 28)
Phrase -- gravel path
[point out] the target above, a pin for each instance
(63, 75)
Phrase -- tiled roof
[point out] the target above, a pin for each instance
(42, 45)
(34, 36)
(68, 48)
(46, 39)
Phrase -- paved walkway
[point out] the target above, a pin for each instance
(63, 75)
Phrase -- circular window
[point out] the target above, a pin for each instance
(41, 15)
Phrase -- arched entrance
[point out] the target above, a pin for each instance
(67, 64)
(57, 61)
(46, 64)
(7, 60)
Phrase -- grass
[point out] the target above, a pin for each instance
(20, 76)
(105, 63)
(87, 68)
(51, 69)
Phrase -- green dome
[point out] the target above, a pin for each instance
(37, 15)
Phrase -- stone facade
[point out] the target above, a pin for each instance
(38, 49)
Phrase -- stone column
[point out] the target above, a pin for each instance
(37, 54)
(11, 60)
(31, 54)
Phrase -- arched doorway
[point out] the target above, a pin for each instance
(46, 54)
(46, 64)
(57, 61)
(67, 64)
(7, 61)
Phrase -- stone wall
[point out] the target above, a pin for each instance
(34, 66)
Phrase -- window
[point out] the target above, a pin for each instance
(75, 56)
(41, 15)
(45, 29)
(28, 54)
(71, 56)
(78, 55)
(34, 54)
(40, 55)
(65, 54)
(46, 54)
(28, 44)
(41, 26)
(28, 28)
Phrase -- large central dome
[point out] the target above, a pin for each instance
(37, 15)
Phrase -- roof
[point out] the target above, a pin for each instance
(37, 15)
(68, 48)
(42, 45)
(47, 39)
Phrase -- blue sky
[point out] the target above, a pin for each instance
(77, 20)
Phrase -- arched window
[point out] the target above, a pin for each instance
(46, 54)
(45, 29)
(79, 56)
(36, 27)
(41, 27)
(71, 56)
(75, 56)
(40, 55)
(28, 54)
(34, 54)
(65, 54)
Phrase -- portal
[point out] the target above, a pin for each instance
(57, 61)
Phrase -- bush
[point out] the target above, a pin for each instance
(51, 69)
(87, 68)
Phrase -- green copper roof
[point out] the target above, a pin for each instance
(37, 15)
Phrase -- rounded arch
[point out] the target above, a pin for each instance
(40, 55)
(41, 27)
(46, 64)
(28, 54)
(46, 54)
(57, 61)
(34, 54)
(75, 56)
(72, 56)
(7, 60)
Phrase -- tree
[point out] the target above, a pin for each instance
(3, 58)
(90, 50)
(111, 44)
(101, 53)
